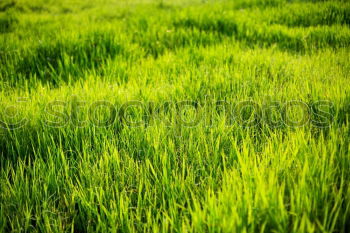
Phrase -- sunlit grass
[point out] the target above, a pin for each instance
(130, 116)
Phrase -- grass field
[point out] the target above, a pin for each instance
(174, 116)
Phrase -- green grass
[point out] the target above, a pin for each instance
(174, 116)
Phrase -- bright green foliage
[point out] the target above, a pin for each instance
(71, 166)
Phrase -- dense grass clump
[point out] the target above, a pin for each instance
(174, 116)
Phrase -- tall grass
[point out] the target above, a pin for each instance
(159, 116)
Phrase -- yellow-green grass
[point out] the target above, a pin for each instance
(184, 116)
